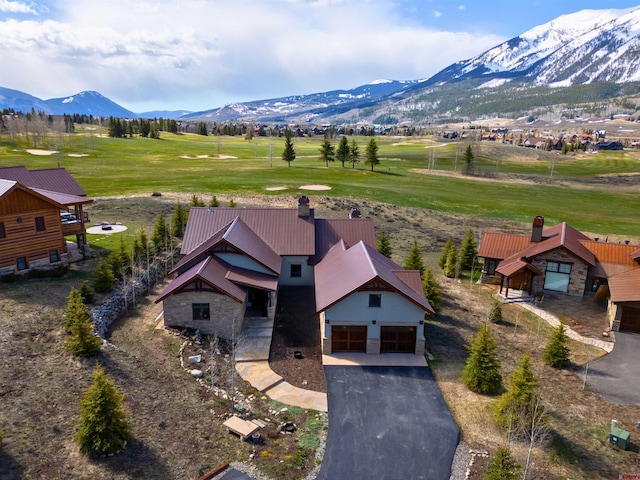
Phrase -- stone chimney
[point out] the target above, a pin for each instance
(355, 213)
(303, 206)
(536, 230)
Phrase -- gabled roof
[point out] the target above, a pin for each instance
(239, 235)
(282, 229)
(50, 179)
(503, 246)
(352, 230)
(513, 265)
(212, 272)
(636, 255)
(624, 286)
(8, 186)
(344, 270)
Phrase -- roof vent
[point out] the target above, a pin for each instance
(303, 206)
(536, 230)
(354, 213)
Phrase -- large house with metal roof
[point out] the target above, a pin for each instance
(234, 261)
(38, 209)
(561, 259)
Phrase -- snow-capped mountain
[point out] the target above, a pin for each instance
(305, 106)
(580, 48)
(88, 103)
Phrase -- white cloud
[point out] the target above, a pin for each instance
(15, 7)
(462, 7)
(437, 14)
(200, 54)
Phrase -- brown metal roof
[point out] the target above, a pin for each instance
(63, 198)
(511, 266)
(241, 237)
(352, 230)
(51, 179)
(7, 186)
(625, 287)
(282, 229)
(250, 278)
(411, 278)
(342, 271)
(636, 255)
(502, 245)
(210, 271)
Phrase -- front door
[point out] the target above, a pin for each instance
(348, 338)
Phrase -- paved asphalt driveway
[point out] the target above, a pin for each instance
(387, 423)
(616, 376)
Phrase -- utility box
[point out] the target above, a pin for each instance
(618, 436)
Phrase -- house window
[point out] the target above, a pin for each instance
(375, 300)
(3, 233)
(39, 224)
(490, 267)
(200, 311)
(557, 276)
(53, 256)
(22, 263)
(296, 270)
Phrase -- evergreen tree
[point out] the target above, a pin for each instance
(502, 466)
(160, 234)
(103, 426)
(103, 277)
(445, 253)
(495, 312)
(342, 152)
(354, 153)
(214, 203)
(196, 201)
(432, 290)
(451, 264)
(327, 152)
(481, 372)
(232, 203)
(556, 353)
(81, 342)
(201, 129)
(468, 251)
(469, 161)
(371, 153)
(414, 259)
(179, 221)
(289, 153)
(144, 243)
(513, 409)
(383, 245)
(87, 292)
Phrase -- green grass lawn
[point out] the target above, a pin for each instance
(236, 166)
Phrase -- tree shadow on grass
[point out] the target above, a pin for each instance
(10, 469)
(136, 461)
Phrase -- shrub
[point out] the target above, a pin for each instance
(556, 353)
(103, 277)
(87, 292)
(495, 312)
(502, 466)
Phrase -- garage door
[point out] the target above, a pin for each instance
(398, 339)
(348, 338)
(630, 321)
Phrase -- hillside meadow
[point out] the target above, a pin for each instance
(594, 193)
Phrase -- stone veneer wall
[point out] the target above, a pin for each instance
(223, 312)
(579, 270)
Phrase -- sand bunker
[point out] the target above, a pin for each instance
(35, 151)
(78, 155)
(273, 189)
(222, 157)
(106, 229)
(194, 156)
(315, 187)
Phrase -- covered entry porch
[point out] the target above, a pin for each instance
(517, 275)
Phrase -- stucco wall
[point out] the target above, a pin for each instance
(223, 311)
(307, 278)
(243, 261)
(394, 309)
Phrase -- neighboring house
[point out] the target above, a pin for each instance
(236, 260)
(38, 208)
(562, 259)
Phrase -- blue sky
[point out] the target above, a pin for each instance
(201, 54)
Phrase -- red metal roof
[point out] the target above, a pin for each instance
(502, 245)
(51, 179)
(342, 271)
(352, 230)
(511, 266)
(612, 252)
(625, 287)
(63, 198)
(210, 271)
(282, 229)
(250, 278)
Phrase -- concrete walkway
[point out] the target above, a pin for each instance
(252, 364)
